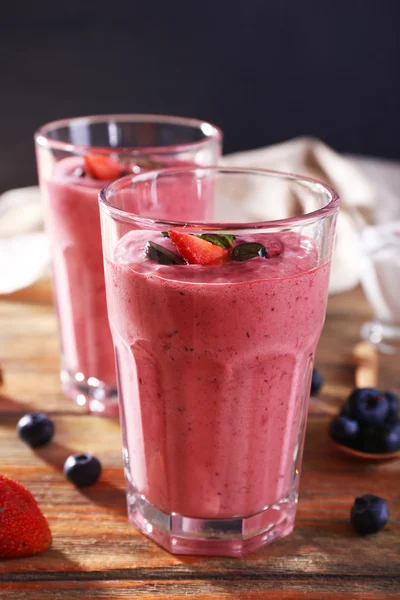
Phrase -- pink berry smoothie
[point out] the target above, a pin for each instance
(73, 225)
(214, 367)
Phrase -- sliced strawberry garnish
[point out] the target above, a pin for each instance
(195, 250)
(102, 167)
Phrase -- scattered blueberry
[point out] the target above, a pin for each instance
(368, 406)
(369, 514)
(249, 250)
(317, 382)
(390, 437)
(162, 255)
(394, 402)
(36, 429)
(82, 469)
(344, 430)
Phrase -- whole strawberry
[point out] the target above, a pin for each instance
(23, 528)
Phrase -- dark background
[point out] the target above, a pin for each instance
(264, 71)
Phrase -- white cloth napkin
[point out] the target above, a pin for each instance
(369, 191)
(24, 249)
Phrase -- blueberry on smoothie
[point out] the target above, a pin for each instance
(249, 250)
(162, 255)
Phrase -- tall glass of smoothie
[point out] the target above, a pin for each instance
(215, 324)
(76, 158)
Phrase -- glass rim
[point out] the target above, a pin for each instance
(212, 135)
(327, 210)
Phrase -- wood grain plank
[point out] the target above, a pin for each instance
(203, 590)
(91, 533)
(29, 355)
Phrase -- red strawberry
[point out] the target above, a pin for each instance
(23, 529)
(102, 167)
(197, 251)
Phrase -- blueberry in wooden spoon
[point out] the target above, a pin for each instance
(344, 430)
(368, 406)
(390, 437)
(394, 402)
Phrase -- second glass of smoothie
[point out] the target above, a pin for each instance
(76, 158)
(215, 322)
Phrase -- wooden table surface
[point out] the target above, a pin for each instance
(97, 554)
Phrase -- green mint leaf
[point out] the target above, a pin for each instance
(219, 239)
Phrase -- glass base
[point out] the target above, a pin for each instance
(212, 537)
(91, 393)
(385, 337)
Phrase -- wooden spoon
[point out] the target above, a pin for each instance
(365, 359)
(366, 455)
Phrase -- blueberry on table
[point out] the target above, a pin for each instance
(82, 469)
(369, 514)
(369, 406)
(317, 382)
(36, 429)
(344, 430)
